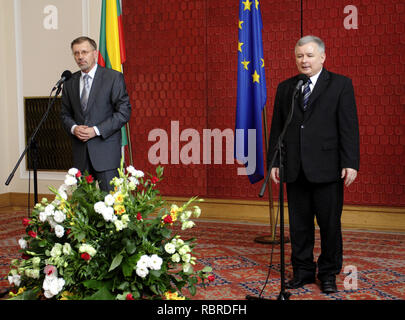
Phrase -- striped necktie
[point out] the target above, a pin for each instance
(306, 93)
(84, 98)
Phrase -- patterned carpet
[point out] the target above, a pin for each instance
(240, 265)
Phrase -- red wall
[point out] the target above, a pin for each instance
(181, 66)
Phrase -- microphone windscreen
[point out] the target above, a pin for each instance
(66, 74)
(302, 77)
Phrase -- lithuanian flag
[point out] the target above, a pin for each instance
(111, 46)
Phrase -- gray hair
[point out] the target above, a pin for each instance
(310, 38)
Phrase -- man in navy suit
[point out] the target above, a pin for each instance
(95, 106)
(321, 156)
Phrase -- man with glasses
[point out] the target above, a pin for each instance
(95, 106)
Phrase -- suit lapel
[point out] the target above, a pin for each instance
(320, 86)
(76, 90)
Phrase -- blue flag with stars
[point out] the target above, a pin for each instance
(251, 92)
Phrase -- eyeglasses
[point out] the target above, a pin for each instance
(81, 53)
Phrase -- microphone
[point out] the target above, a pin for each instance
(302, 78)
(66, 75)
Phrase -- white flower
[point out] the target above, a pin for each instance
(142, 271)
(16, 279)
(170, 248)
(176, 257)
(99, 206)
(155, 262)
(22, 243)
(138, 174)
(43, 216)
(73, 171)
(59, 231)
(184, 249)
(70, 180)
(52, 286)
(108, 214)
(109, 200)
(32, 273)
(187, 268)
(143, 262)
(186, 257)
(197, 211)
(36, 261)
(131, 170)
(49, 210)
(67, 249)
(119, 225)
(187, 225)
(59, 216)
(56, 250)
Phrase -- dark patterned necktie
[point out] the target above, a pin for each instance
(84, 98)
(306, 93)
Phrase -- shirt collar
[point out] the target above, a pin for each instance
(91, 73)
(315, 77)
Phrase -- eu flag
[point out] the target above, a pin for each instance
(251, 92)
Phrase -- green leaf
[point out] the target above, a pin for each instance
(127, 268)
(101, 294)
(130, 246)
(93, 284)
(116, 262)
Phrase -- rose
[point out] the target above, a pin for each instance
(59, 231)
(168, 219)
(154, 180)
(142, 272)
(170, 248)
(59, 216)
(109, 200)
(56, 250)
(129, 297)
(78, 174)
(26, 222)
(89, 179)
(155, 262)
(73, 171)
(139, 216)
(85, 256)
(70, 181)
(211, 278)
(50, 270)
(67, 249)
(32, 234)
(86, 248)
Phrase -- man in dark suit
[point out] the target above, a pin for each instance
(321, 154)
(95, 105)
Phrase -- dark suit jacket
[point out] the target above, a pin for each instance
(108, 108)
(324, 138)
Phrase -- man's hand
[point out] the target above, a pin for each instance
(84, 133)
(349, 175)
(274, 175)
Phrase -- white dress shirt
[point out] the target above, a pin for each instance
(91, 75)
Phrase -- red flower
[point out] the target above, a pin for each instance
(85, 256)
(130, 296)
(25, 256)
(89, 178)
(26, 222)
(139, 216)
(32, 234)
(211, 278)
(154, 180)
(78, 174)
(68, 231)
(168, 219)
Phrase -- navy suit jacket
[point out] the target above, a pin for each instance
(108, 108)
(323, 139)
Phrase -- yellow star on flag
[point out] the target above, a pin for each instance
(255, 77)
(245, 64)
(247, 4)
(240, 24)
(262, 62)
(257, 4)
(240, 44)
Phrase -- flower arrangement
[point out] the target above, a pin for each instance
(89, 244)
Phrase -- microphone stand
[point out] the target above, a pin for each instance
(32, 146)
(279, 150)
